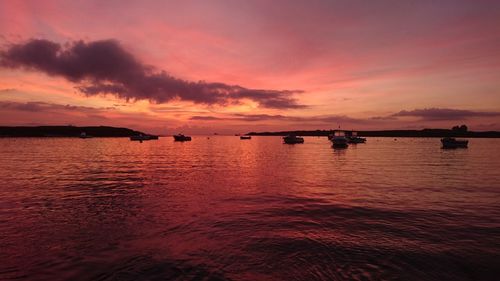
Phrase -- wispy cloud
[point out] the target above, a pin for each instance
(105, 67)
(438, 114)
(397, 119)
(46, 107)
(267, 117)
(7, 90)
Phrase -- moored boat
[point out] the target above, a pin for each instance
(292, 139)
(454, 143)
(245, 137)
(142, 137)
(181, 137)
(339, 139)
(354, 138)
(84, 135)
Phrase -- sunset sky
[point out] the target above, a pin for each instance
(237, 66)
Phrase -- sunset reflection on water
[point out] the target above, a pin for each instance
(222, 208)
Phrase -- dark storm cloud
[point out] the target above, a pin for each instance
(102, 67)
(435, 114)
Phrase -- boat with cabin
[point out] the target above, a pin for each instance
(354, 138)
(338, 139)
(181, 137)
(454, 143)
(293, 139)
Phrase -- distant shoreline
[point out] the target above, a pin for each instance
(107, 132)
(65, 131)
(425, 133)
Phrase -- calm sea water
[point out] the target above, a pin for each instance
(230, 209)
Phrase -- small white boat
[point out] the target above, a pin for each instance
(83, 135)
(293, 139)
(245, 137)
(339, 139)
(181, 137)
(454, 143)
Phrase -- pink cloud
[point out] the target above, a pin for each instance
(104, 67)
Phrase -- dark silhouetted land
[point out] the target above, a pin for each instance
(66, 131)
(425, 133)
